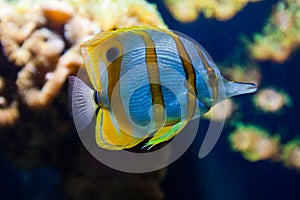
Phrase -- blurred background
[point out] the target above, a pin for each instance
(258, 153)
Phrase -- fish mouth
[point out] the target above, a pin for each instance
(251, 88)
(238, 88)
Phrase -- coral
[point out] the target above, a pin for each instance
(59, 12)
(271, 100)
(254, 143)
(44, 42)
(280, 36)
(189, 10)
(9, 113)
(87, 27)
(15, 28)
(112, 14)
(291, 154)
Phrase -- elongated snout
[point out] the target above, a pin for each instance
(237, 88)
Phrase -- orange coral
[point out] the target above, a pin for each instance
(57, 11)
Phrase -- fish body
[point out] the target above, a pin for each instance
(146, 82)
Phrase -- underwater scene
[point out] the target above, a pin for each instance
(60, 137)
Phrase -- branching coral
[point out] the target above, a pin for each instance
(280, 36)
(15, 28)
(189, 10)
(44, 42)
(44, 38)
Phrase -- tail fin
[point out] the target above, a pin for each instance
(82, 102)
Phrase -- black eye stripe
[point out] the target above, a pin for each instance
(112, 54)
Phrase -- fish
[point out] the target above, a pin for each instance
(145, 83)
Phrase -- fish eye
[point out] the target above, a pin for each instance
(112, 54)
(211, 76)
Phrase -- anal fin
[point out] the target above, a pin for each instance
(109, 135)
(165, 134)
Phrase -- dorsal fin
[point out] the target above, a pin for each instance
(94, 52)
